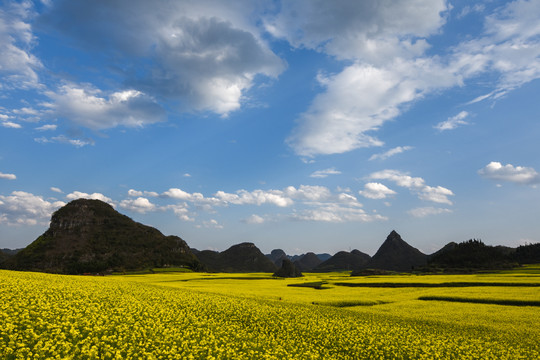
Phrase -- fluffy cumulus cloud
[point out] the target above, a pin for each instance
(510, 173)
(427, 211)
(307, 202)
(373, 32)
(336, 213)
(453, 122)
(7, 176)
(18, 66)
(256, 197)
(23, 208)
(416, 185)
(394, 151)
(137, 193)
(141, 205)
(94, 196)
(204, 55)
(375, 190)
(90, 108)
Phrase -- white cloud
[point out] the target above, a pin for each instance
(204, 55)
(136, 193)
(94, 196)
(47, 127)
(509, 49)
(336, 213)
(417, 185)
(23, 208)
(17, 64)
(65, 140)
(26, 111)
(57, 190)
(427, 211)
(10, 125)
(213, 224)
(181, 211)
(510, 173)
(90, 108)
(390, 69)
(309, 193)
(394, 151)
(357, 29)
(376, 191)
(320, 200)
(254, 219)
(360, 99)
(324, 173)
(141, 205)
(7, 176)
(255, 197)
(453, 122)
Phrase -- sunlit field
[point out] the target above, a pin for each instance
(184, 315)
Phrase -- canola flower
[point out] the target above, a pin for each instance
(46, 316)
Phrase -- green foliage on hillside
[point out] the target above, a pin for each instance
(89, 236)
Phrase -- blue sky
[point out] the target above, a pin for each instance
(302, 125)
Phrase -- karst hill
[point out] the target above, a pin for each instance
(89, 236)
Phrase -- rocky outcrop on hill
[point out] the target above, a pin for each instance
(396, 255)
(344, 260)
(288, 270)
(244, 257)
(277, 256)
(89, 236)
(308, 262)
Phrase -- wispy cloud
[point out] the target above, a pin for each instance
(428, 211)
(385, 155)
(453, 122)
(391, 70)
(416, 185)
(324, 173)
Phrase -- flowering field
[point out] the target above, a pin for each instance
(224, 316)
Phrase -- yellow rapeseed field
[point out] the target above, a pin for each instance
(252, 316)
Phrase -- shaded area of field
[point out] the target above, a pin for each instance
(318, 285)
(350, 303)
(481, 301)
(434, 285)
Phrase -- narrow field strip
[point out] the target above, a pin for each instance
(351, 303)
(439, 285)
(482, 301)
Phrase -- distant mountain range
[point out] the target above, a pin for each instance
(244, 257)
(89, 236)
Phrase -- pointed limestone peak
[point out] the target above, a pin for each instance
(397, 255)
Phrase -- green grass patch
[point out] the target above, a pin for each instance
(481, 301)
